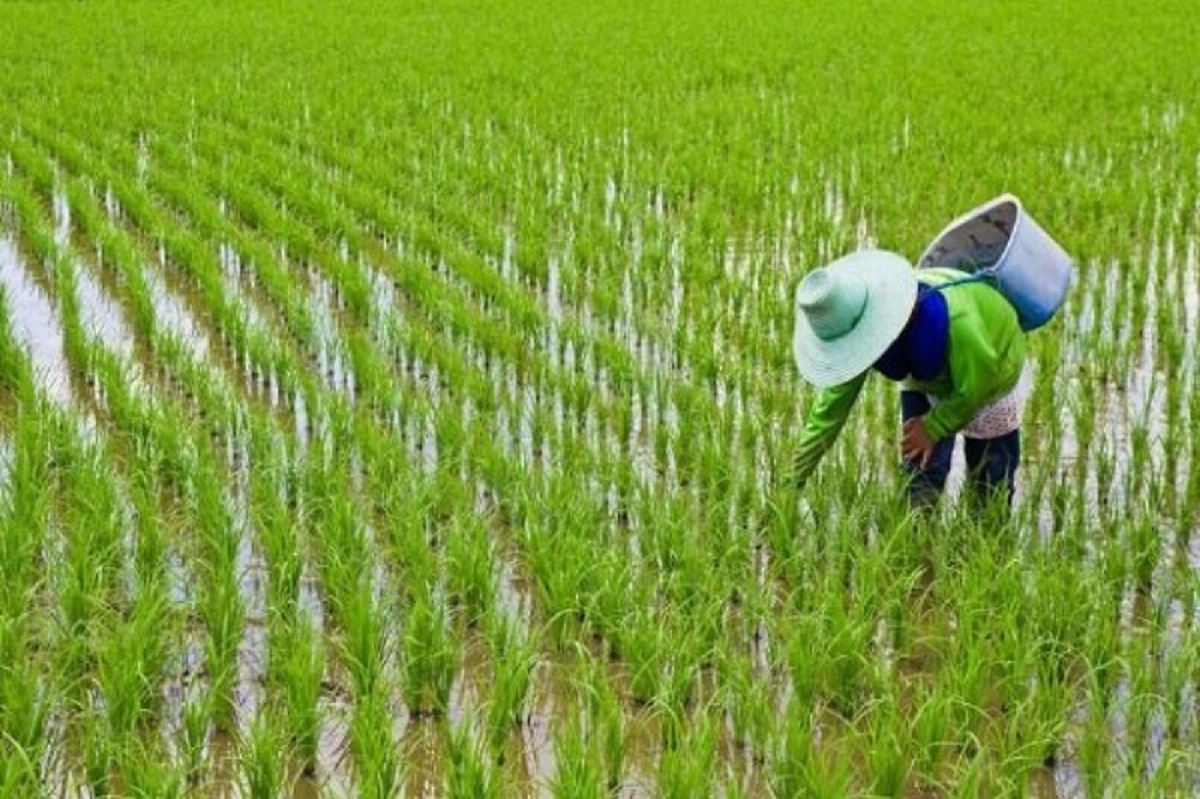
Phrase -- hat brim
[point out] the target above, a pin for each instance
(891, 292)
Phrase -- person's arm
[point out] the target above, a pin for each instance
(825, 420)
(976, 375)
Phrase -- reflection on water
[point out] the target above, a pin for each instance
(101, 316)
(35, 325)
(171, 314)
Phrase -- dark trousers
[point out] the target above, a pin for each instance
(991, 463)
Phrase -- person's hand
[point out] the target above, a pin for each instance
(916, 446)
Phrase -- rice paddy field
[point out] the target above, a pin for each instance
(399, 399)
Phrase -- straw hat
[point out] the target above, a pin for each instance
(849, 312)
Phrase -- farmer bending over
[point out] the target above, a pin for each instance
(957, 346)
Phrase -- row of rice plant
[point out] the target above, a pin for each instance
(434, 438)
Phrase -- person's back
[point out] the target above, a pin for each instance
(985, 353)
(958, 348)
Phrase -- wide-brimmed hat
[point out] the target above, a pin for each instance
(849, 312)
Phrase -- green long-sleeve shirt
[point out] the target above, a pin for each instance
(985, 353)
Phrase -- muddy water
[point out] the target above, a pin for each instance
(529, 760)
(171, 314)
(6, 456)
(332, 361)
(36, 325)
(333, 749)
(101, 316)
(62, 219)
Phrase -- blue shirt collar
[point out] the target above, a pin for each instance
(920, 351)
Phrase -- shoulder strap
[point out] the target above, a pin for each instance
(977, 276)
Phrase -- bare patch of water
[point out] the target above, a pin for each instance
(101, 316)
(173, 315)
(36, 325)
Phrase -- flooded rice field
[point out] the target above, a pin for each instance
(437, 439)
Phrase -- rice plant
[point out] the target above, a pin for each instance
(264, 760)
(440, 384)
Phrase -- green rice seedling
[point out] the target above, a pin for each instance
(283, 554)
(514, 658)
(470, 559)
(151, 552)
(578, 771)
(223, 612)
(1142, 696)
(1095, 749)
(1131, 782)
(1101, 653)
(364, 646)
(607, 605)
(644, 648)
(1139, 714)
(146, 773)
(797, 767)
(734, 787)
(827, 655)
(1139, 478)
(264, 759)
(1183, 588)
(80, 592)
(1145, 550)
(1033, 729)
(783, 519)
(688, 769)
(470, 769)
(1020, 650)
(93, 550)
(980, 775)
(932, 734)
(19, 772)
(301, 674)
(25, 706)
(741, 694)
(97, 755)
(429, 657)
(677, 689)
(560, 562)
(377, 763)
(1168, 777)
(607, 720)
(406, 531)
(1083, 418)
(131, 664)
(888, 745)
(27, 504)
(1063, 600)
(17, 380)
(192, 743)
(209, 511)
(705, 611)
(344, 547)
(1176, 673)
